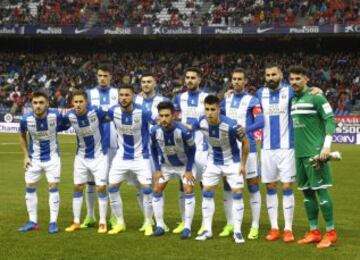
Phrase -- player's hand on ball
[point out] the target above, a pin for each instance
(158, 175)
(189, 178)
(27, 162)
(324, 155)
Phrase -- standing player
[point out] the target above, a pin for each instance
(132, 156)
(246, 110)
(148, 100)
(277, 150)
(41, 154)
(314, 125)
(224, 160)
(91, 156)
(190, 105)
(103, 96)
(177, 149)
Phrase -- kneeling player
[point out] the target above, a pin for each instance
(224, 160)
(90, 157)
(177, 151)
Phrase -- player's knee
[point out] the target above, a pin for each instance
(146, 190)
(253, 181)
(158, 189)
(101, 188)
(78, 187)
(53, 185)
(287, 186)
(188, 189)
(272, 185)
(253, 188)
(208, 194)
(30, 185)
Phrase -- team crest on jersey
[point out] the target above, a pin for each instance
(178, 140)
(283, 96)
(113, 97)
(52, 124)
(136, 119)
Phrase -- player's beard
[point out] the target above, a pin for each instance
(272, 84)
(126, 106)
(191, 87)
(40, 112)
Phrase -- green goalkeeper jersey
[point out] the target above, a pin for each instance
(312, 118)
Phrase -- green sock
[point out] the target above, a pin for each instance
(326, 206)
(311, 208)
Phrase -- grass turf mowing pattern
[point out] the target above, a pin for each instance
(87, 244)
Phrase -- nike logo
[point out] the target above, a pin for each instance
(289, 208)
(78, 31)
(259, 30)
(320, 181)
(323, 202)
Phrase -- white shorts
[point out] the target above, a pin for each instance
(95, 169)
(252, 166)
(213, 174)
(201, 158)
(278, 165)
(52, 169)
(170, 172)
(126, 170)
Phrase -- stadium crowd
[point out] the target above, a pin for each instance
(180, 13)
(338, 74)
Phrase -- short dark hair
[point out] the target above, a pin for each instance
(127, 86)
(79, 92)
(211, 100)
(147, 74)
(105, 67)
(40, 93)
(272, 64)
(239, 70)
(194, 69)
(298, 69)
(166, 105)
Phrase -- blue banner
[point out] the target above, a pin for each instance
(194, 30)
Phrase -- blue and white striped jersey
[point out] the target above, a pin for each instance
(191, 107)
(278, 132)
(89, 132)
(246, 110)
(132, 131)
(176, 146)
(222, 139)
(105, 98)
(43, 143)
(150, 104)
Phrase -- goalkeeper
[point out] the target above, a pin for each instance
(314, 124)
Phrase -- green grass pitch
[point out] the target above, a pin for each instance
(87, 244)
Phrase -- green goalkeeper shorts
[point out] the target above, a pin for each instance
(309, 178)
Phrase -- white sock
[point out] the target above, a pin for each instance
(158, 207)
(139, 198)
(103, 202)
(77, 204)
(90, 197)
(147, 204)
(255, 205)
(182, 205)
(272, 205)
(238, 211)
(116, 204)
(189, 209)
(31, 203)
(54, 204)
(228, 201)
(288, 208)
(208, 209)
